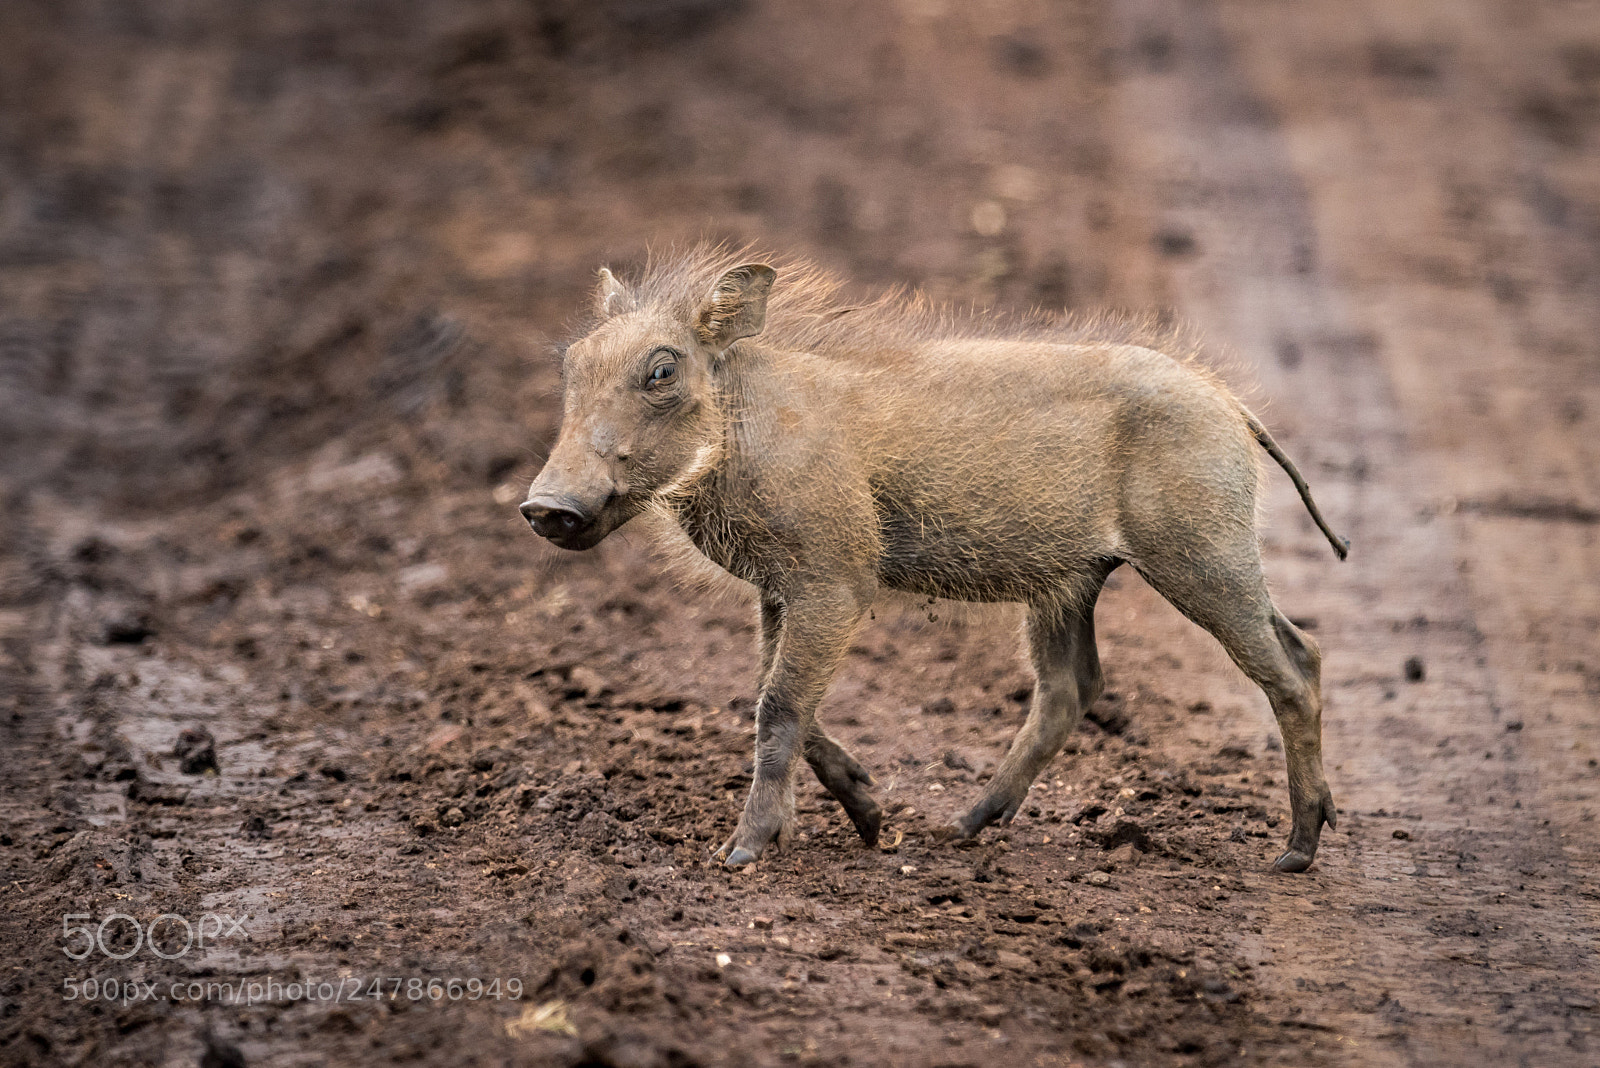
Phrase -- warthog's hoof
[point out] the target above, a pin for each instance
(990, 810)
(868, 822)
(1292, 862)
(744, 847)
(1307, 830)
(738, 857)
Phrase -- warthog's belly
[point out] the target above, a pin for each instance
(1001, 560)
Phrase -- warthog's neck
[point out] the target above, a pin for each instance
(705, 503)
(720, 533)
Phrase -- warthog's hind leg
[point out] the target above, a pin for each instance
(1228, 597)
(1067, 681)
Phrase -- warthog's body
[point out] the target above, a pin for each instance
(844, 450)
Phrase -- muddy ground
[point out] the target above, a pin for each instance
(279, 290)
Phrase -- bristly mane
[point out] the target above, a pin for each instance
(808, 311)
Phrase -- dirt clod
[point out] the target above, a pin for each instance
(1110, 713)
(196, 751)
(1123, 833)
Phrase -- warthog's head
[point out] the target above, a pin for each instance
(641, 416)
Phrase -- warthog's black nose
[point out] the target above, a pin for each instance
(555, 519)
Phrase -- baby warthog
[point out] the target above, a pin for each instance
(820, 452)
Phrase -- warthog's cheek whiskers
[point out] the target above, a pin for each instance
(705, 458)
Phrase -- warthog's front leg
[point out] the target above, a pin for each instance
(817, 622)
(839, 772)
(844, 777)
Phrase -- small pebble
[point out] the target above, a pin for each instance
(1098, 878)
(1415, 671)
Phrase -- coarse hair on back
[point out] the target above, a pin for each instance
(809, 311)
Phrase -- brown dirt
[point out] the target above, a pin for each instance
(277, 289)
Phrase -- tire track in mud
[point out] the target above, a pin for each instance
(1451, 919)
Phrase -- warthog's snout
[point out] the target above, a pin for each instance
(561, 521)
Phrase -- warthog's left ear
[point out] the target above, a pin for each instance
(611, 296)
(736, 307)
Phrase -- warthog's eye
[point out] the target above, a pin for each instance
(665, 370)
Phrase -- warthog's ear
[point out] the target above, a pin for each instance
(611, 296)
(736, 307)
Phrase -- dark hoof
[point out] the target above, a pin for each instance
(868, 824)
(982, 815)
(738, 857)
(1292, 862)
(965, 829)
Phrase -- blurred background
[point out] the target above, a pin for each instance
(281, 286)
(231, 228)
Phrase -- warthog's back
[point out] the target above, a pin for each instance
(998, 467)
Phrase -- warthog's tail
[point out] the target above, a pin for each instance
(1340, 545)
